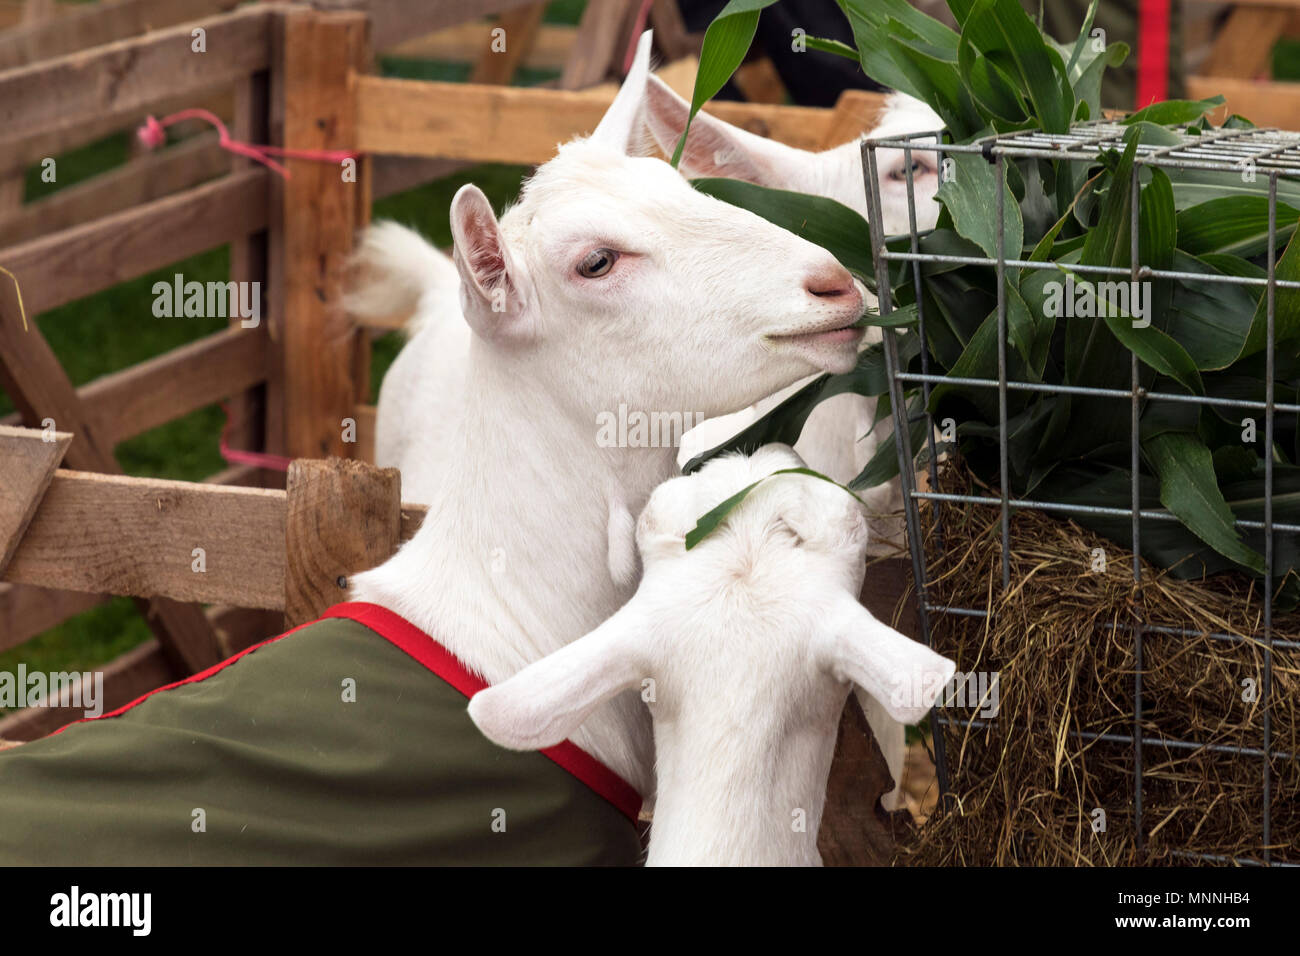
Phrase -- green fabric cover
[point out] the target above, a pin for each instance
(288, 773)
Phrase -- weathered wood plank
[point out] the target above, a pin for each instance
(132, 675)
(162, 389)
(524, 125)
(38, 386)
(390, 175)
(365, 416)
(594, 49)
(72, 263)
(1265, 104)
(27, 464)
(124, 404)
(393, 21)
(131, 74)
(519, 30)
(82, 26)
(550, 50)
(320, 213)
(17, 155)
(1243, 47)
(27, 610)
(140, 180)
(137, 537)
(344, 516)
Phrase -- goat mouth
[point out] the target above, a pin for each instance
(849, 333)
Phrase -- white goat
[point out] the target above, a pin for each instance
(745, 648)
(838, 439)
(611, 281)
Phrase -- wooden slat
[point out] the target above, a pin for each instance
(550, 50)
(249, 258)
(1265, 104)
(524, 125)
(140, 180)
(856, 112)
(136, 536)
(135, 673)
(392, 21)
(396, 174)
(365, 416)
(88, 25)
(17, 155)
(75, 262)
(27, 464)
(241, 627)
(519, 28)
(27, 610)
(595, 48)
(320, 213)
(130, 74)
(344, 517)
(38, 386)
(178, 382)
(124, 404)
(1244, 45)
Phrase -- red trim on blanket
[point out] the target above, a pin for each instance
(568, 755)
(424, 649)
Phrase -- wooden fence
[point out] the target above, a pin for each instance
(289, 76)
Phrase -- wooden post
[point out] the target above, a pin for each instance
(31, 375)
(318, 214)
(344, 516)
(27, 464)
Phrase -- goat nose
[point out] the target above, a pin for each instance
(830, 282)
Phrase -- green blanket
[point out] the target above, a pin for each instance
(333, 744)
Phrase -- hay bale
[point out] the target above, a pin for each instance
(1026, 786)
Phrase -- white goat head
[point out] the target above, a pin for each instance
(745, 649)
(622, 283)
(716, 148)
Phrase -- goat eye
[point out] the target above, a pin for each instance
(597, 263)
(900, 174)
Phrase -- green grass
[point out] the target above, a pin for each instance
(116, 328)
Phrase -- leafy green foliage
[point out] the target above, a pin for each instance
(997, 73)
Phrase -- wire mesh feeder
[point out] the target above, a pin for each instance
(1120, 691)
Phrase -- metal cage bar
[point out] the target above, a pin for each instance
(1273, 152)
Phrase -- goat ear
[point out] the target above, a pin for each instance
(494, 291)
(904, 676)
(548, 700)
(715, 148)
(617, 127)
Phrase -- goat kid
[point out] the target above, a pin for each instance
(841, 435)
(745, 649)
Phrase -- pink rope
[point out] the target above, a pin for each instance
(641, 16)
(151, 135)
(257, 459)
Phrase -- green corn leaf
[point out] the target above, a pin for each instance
(1188, 489)
(726, 41)
(709, 522)
(1174, 111)
(835, 227)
